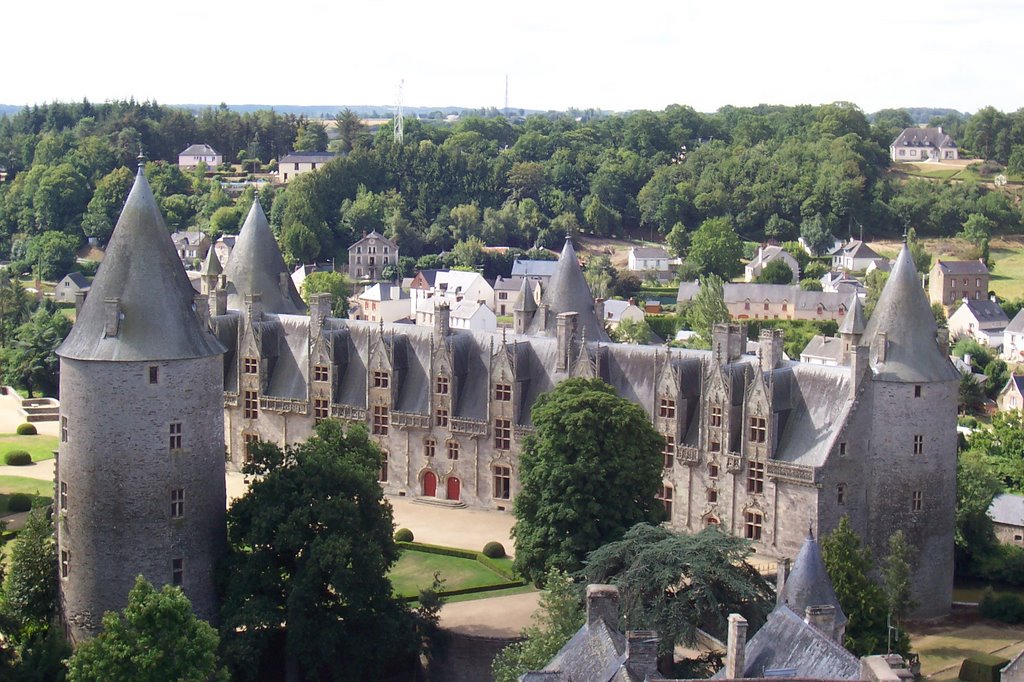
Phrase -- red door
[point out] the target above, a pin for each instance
(429, 484)
(453, 488)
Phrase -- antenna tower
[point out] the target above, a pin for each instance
(399, 116)
(506, 94)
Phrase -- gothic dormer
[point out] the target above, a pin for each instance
(669, 407)
(758, 423)
(589, 361)
(716, 412)
(443, 381)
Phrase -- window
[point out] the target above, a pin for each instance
(383, 478)
(952, 283)
(321, 373)
(752, 526)
(248, 440)
(63, 429)
(669, 451)
(712, 496)
(502, 482)
(716, 416)
(65, 563)
(977, 282)
(785, 306)
(503, 434)
(177, 503)
(321, 409)
(712, 470)
(711, 521)
(842, 448)
(503, 392)
(250, 366)
(916, 501)
(755, 477)
(250, 405)
(918, 444)
(175, 435)
(841, 493)
(441, 417)
(154, 374)
(917, 390)
(441, 385)
(177, 571)
(666, 499)
(63, 496)
(746, 305)
(667, 408)
(758, 430)
(715, 446)
(453, 449)
(381, 379)
(381, 420)
(766, 304)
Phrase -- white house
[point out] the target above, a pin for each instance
(766, 255)
(65, 290)
(983, 320)
(854, 255)
(200, 153)
(1013, 339)
(644, 259)
(463, 315)
(923, 144)
(452, 286)
(616, 311)
(297, 163)
(191, 246)
(383, 303)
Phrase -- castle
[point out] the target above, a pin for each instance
(759, 444)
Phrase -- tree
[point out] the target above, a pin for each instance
(816, 232)
(971, 396)
(863, 600)
(588, 473)
(976, 487)
(633, 331)
(708, 307)
(977, 229)
(776, 272)
(51, 254)
(30, 588)
(156, 637)
(716, 248)
(350, 127)
(676, 597)
(555, 621)
(334, 283)
(678, 239)
(922, 259)
(311, 137)
(896, 577)
(106, 203)
(1003, 445)
(30, 361)
(311, 545)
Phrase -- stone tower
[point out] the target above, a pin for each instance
(140, 469)
(910, 466)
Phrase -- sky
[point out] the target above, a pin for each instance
(644, 54)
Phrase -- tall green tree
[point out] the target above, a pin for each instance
(155, 638)
(107, 201)
(976, 486)
(588, 473)
(334, 283)
(716, 248)
(350, 128)
(30, 362)
(896, 577)
(708, 307)
(776, 272)
(311, 545)
(30, 588)
(311, 137)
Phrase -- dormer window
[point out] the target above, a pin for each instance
(441, 385)
(503, 392)
(381, 379)
(321, 373)
(667, 408)
(716, 416)
(758, 429)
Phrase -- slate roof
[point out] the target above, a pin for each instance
(923, 137)
(256, 266)
(649, 252)
(306, 157)
(211, 266)
(534, 268)
(373, 235)
(596, 653)
(904, 314)
(855, 248)
(613, 309)
(853, 321)
(808, 584)
(513, 283)
(199, 150)
(78, 279)
(567, 291)
(823, 347)
(962, 267)
(142, 269)
(1017, 323)
(985, 310)
(738, 292)
(1007, 509)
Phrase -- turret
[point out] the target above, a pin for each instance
(140, 467)
(852, 328)
(210, 274)
(256, 266)
(524, 309)
(568, 292)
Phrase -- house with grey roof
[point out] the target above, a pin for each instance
(766, 255)
(1013, 339)
(540, 269)
(195, 154)
(69, 286)
(923, 144)
(294, 164)
(647, 258)
(774, 301)
(952, 281)
(853, 256)
(191, 246)
(1007, 514)
(1011, 396)
(982, 320)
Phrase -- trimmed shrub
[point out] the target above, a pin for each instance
(27, 429)
(1006, 608)
(494, 550)
(19, 502)
(403, 535)
(17, 458)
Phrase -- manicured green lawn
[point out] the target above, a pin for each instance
(39, 446)
(415, 571)
(18, 484)
(1007, 271)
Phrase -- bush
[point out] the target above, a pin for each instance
(19, 502)
(494, 550)
(27, 429)
(982, 668)
(403, 535)
(1006, 608)
(17, 458)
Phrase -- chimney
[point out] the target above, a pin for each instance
(823, 619)
(642, 653)
(780, 579)
(881, 346)
(736, 647)
(111, 317)
(442, 320)
(219, 302)
(599, 308)
(201, 304)
(80, 301)
(967, 359)
(771, 348)
(320, 306)
(942, 339)
(284, 282)
(730, 340)
(602, 604)
(940, 130)
(254, 307)
(859, 369)
(565, 334)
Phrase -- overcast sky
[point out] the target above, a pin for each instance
(644, 54)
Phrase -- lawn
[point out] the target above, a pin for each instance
(40, 447)
(1007, 267)
(415, 571)
(943, 648)
(31, 486)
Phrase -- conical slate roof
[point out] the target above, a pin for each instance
(905, 316)
(568, 292)
(211, 266)
(141, 268)
(808, 583)
(256, 265)
(525, 301)
(853, 322)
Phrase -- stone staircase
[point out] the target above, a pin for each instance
(438, 502)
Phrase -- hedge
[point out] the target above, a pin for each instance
(27, 429)
(439, 549)
(982, 668)
(17, 458)
(19, 502)
(491, 564)
(1006, 608)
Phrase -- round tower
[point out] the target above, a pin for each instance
(140, 468)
